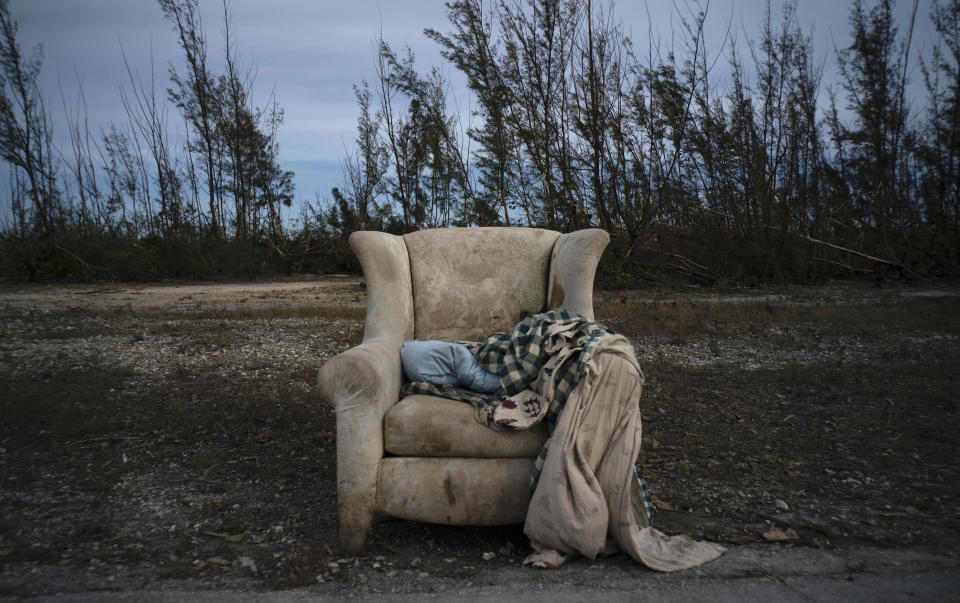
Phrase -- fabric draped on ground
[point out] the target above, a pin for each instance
(588, 497)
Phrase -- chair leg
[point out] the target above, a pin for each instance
(354, 525)
(357, 473)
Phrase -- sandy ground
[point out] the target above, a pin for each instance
(347, 289)
(171, 434)
(177, 297)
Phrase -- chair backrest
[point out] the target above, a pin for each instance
(470, 282)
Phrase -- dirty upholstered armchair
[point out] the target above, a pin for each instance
(425, 458)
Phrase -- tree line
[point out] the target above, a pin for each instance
(129, 201)
(766, 173)
(572, 126)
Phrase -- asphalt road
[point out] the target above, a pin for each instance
(744, 574)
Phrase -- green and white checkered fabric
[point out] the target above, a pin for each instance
(517, 358)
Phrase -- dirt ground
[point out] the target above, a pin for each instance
(173, 432)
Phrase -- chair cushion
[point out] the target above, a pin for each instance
(471, 282)
(478, 492)
(430, 426)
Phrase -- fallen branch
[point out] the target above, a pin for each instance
(275, 248)
(819, 242)
(844, 266)
(102, 439)
(205, 477)
(682, 263)
(89, 267)
(93, 291)
(848, 250)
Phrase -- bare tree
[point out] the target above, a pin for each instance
(148, 121)
(81, 163)
(939, 152)
(193, 92)
(365, 166)
(25, 132)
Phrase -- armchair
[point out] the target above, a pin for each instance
(424, 458)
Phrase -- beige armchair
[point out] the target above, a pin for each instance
(424, 458)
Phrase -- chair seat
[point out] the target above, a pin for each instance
(437, 427)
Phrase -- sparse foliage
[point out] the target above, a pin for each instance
(761, 172)
(25, 133)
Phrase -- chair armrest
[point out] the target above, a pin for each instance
(366, 378)
(363, 383)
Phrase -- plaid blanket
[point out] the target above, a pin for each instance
(539, 362)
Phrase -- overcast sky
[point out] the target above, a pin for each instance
(310, 53)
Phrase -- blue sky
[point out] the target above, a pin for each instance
(310, 53)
